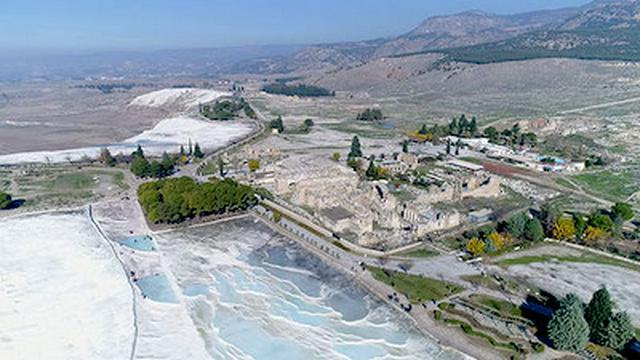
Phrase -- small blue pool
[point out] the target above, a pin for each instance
(157, 288)
(142, 243)
(196, 289)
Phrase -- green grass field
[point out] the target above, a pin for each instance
(420, 253)
(503, 307)
(614, 186)
(586, 258)
(416, 288)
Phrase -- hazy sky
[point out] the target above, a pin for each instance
(165, 24)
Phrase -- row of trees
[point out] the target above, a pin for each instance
(549, 222)
(461, 127)
(511, 136)
(573, 324)
(141, 167)
(464, 128)
(281, 88)
(370, 115)
(178, 199)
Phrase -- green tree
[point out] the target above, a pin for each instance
(405, 146)
(5, 200)
(336, 156)
(533, 230)
(619, 331)
(601, 221)
(622, 211)
(138, 153)
(580, 224)
(197, 152)
(448, 147)
(473, 126)
(463, 125)
(598, 313)
(453, 127)
(423, 130)
(567, 329)
(140, 167)
(371, 172)
(182, 153)
(355, 148)
(277, 124)
(308, 123)
(516, 224)
(491, 133)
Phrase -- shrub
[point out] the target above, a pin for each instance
(5, 200)
(538, 347)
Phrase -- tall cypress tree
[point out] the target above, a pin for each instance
(598, 313)
(371, 170)
(568, 330)
(355, 148)
(473, 126)
(197, 152)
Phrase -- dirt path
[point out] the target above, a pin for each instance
(600, 106)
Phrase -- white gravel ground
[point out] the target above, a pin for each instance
(63, 295)
(167, 135)
(584, 279)
(184, 97)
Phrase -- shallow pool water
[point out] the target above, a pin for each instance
(255, 294)
(157, 288)
(142, 243)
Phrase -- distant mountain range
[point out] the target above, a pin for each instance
(603, 29)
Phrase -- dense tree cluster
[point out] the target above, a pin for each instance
(494, 239)
(370, 115)
(5, 200)
(281, 88)
(573, 325)
(595, 41)
(590, 228)
(141, 167)
(227, 109)
(178, 199)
